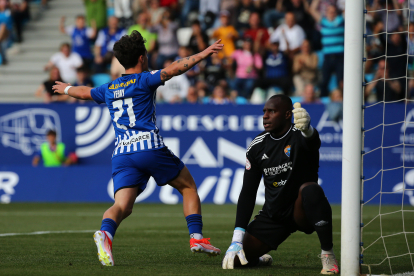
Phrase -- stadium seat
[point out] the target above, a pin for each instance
(325, 100)
(296, 99)
(184, 35)
(100, 79)
(320, 59)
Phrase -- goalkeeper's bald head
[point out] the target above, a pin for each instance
(284, 101)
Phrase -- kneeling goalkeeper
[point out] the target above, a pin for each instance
(287, 156)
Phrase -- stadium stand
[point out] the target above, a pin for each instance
(24, 72)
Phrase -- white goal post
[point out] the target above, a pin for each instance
(352, 138)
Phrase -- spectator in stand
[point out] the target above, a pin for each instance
(156, 11)
(389, 91)
(335, 106)
(20, 13)
(390, 13)
(300, 8)
(332, 30)
(244, 11)
(397, 48)
(227, 34)
(104, 44)
(6, 28)
(214, 71)
(192, 96)
(304, 68)
(290, 35)
(209, 9)
(174, 90)
(167, 39)
(276, 71)
(188, 7)
(375, 42)
(143, 27)
(67, 62)
(82, 79)
(219, 96)
(247, 71)
(199, 39)
(309, 95)
(273, 13)
(96, 11)
(139, 6)
(81, 37)
(45, 90)
(258, 33)
(123, 11)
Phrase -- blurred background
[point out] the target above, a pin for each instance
(209, 115)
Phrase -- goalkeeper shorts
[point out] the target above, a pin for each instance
(271, 232)
(135, 169)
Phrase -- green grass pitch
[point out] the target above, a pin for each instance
(154, 241)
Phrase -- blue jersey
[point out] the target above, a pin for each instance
(80, 40)
(131, 103)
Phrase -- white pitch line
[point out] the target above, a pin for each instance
(139, 231)
(46, 232)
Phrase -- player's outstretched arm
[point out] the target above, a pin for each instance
(183, 65)
(301, 119)
(78, 92)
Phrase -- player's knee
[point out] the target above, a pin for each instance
(312, 194)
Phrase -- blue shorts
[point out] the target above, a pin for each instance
(134, 170)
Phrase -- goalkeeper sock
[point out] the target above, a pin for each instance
(318, 211)
(195, 225)
(109, 226)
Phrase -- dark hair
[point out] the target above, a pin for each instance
(287, 102)
(129, 48)
(196, 22)
(51, 132)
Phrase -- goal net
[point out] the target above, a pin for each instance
(387, 192)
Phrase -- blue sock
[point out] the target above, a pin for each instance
(109, 225)
(194, 223)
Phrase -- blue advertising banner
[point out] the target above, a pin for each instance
(210, 140)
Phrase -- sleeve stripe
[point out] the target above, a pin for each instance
(256, 140)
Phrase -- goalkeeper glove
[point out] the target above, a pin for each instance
(235, 249)
(301, 119)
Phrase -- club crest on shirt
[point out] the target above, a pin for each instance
(287, 151)
(248, 166)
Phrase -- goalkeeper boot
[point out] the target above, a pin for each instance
(104, 245)
(203, 246)
(329, 264)
(265, 260)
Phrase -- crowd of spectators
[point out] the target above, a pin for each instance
(295, 47)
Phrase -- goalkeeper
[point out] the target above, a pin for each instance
(287, 156)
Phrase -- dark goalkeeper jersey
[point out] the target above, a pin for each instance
(285, 164)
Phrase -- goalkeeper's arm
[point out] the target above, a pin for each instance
(245, 207)
(78, 92)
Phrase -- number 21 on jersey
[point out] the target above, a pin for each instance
(130, 111)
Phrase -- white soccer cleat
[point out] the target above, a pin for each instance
(265, 260)
(204, 246)
(104, 245)
(329, 264)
